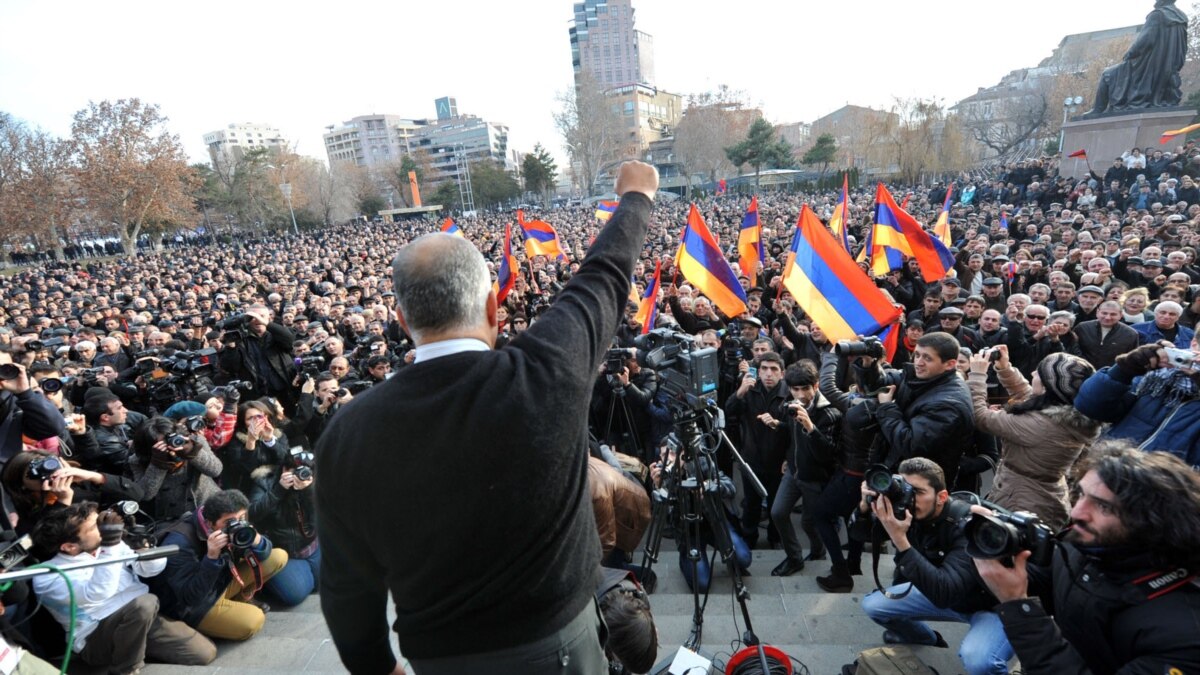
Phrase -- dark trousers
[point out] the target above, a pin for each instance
(752, 505)
(574, 649)
(839, 498)
(122, 641)
(791, 491)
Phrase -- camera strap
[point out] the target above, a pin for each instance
(876, 544)
(255, 566)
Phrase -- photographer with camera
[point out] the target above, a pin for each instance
(929, 412)
(1118, 593)
(222, 564)
(256, 442)
(38, 482)
(1042, 433)
(759, 403)
(621, 402)
(259, 350)
(174, 466)
(328, 398)
(22, 412)
(113, 426)
(281, 505)
(935, 579)
(813, 425)
(117, 620)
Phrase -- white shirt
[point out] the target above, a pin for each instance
(99, 591)
(435, 350)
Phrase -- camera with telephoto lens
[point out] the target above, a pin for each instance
(868, 346)
(42, 468)
(300, 462)
(240, 385)
(1006, 534)
(309, 366)
(9, 371)
(893, 486)
(52, 385)
(241, 535)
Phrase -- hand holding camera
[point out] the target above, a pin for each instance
(13, 378)
(800, 413)
(217, 541)
(112, 527)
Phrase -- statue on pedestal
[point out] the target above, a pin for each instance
(1148, 77)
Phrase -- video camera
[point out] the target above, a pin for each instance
(893, 486)
(614, 361)
(300, 462)
(309, 366)
(1008, 533)
(687, 372)
(15, 552)
(181, 375)
(869, 346)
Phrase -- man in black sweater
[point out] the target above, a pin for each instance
(460, 484)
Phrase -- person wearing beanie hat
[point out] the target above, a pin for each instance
(184, 409)
(1041, 432)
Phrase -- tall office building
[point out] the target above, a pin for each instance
(226, 146)
(605, 44)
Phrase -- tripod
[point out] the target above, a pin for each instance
(691, 489)
(618, 406)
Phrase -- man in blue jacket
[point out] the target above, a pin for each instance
(210, 584)
(1148, 401)
(1165, 326)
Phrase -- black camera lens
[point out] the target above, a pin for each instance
(51, 385)
(241, 534)
(303, 473)
(34, 346)
(9, 371)
(194, 423)
(177, 440)
(43, 468)
(879, 481)
(994, 539)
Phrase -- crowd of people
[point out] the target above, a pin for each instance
(193, 395)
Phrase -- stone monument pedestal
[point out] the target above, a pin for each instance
(1109, 136)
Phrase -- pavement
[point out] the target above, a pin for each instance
(821, 630)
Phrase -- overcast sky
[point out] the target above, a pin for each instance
(302, 67)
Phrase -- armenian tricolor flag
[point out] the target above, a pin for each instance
(750, 250)
(604, 210)
(897, 234)
(941, 230)
(840, 220)
(648, 310)
(506, 276)
(831, 288)
(449, 227)
(702, 264)
(540, 238)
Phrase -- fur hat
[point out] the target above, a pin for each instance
(1063, 374)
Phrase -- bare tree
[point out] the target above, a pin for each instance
(1004, 124)
(713, 121)
(592, 131)
(129, 169)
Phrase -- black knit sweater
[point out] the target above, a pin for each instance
(460, 484)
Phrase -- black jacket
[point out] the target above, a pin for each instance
(239, 462)
(1114, 612)
(1103, 353)
(937, 562)
(111, 452)
(240, 363)
(288, 517)
(813, 455)
(1025, 352)
(859, 428)
(763, 447)
(928, 418)
(26, 414)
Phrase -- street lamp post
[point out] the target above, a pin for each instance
(1070, 105)
(286, 189)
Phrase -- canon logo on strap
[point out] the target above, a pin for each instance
(1168, 578)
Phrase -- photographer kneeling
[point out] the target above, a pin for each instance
(1121, 583)
(281, 504)
(925, 525)
(222, 562)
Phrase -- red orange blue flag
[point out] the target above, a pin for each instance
(840, 219)
(750, 252)
(647, 312)
(941, 229)
(1004, 221)
(541, 239)
(604, 210)
(506, 276)
(702, 264)
(449, 227)
(897, 234)
(828, 285)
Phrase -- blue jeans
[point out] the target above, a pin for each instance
(741, 552)
(985, 649)
(297, 580)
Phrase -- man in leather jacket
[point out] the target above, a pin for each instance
(1120, 594)
(932, 565)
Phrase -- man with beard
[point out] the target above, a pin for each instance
(1121, 585)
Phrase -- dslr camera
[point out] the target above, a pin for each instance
(300, 462)
(893, 486)
(137, 535)
(15, 552)
(869, 346)
(241, 535)
(43, 468)
(614, 361)
(1006, 534)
